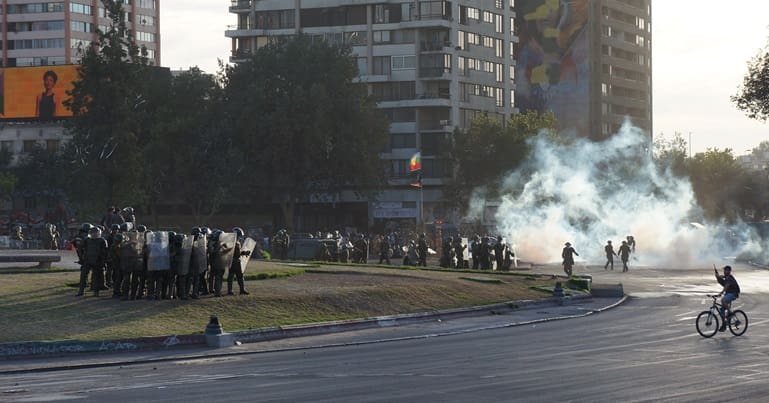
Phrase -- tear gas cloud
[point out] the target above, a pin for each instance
(589, 192)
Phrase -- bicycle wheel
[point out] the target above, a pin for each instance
(738, 323)
(707, 324)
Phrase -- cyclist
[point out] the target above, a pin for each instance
(730, 292)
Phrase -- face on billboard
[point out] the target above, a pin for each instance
(35, 92)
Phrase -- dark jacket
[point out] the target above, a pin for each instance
(729, 283)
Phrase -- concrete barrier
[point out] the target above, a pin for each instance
(607, 290)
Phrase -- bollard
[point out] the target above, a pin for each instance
(215, 336)
(558, 290)
(214, 327)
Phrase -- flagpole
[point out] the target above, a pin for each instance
(421, 212)
(415, 165)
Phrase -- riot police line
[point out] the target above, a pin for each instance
(137, 263)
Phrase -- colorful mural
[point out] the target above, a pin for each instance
(552, 70)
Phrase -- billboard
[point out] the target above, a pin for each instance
(35, 92)
(553, 69)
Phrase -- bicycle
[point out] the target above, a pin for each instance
(708, 322)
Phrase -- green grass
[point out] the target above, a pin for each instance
(42, 306)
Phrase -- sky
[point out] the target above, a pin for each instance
(700, 53)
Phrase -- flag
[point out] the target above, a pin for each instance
(416, 162)
(419, 181)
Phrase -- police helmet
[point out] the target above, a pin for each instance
(84, 228)
(126, 226)
(114, 227)
(94, 232)
(205, 230)
(118, 238)
(171, 235)
(141, 228)
(239, 231)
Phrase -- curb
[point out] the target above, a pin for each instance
(26, 350)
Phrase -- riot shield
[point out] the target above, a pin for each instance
(249, 245)
(185, 255)
(224, 252)
(158, 257)
(199, 260)
(132, 246)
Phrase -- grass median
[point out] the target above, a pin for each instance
(38, 306)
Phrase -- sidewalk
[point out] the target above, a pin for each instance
(53, 356)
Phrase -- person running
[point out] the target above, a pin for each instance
(568, 258)
(624, 254)
(610, 253)
(730, 292)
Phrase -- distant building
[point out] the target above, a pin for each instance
(587, 60)
(754, 161)
(433, 65)
(44, 33)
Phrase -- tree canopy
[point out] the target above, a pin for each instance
(753, 95)
(311, 129)
(488, 150)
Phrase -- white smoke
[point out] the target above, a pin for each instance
(589, 192)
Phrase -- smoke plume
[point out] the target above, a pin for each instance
(589, 192)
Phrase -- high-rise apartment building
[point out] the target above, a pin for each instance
(589, 61)
(40, 33)
(432, 65)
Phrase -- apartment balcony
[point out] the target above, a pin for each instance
(436, 126)
(433, 46)
(435, 73)
(239, 6)
(416, 103)
(240, 56)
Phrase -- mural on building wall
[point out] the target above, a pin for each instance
(35, 92)
(552, 71)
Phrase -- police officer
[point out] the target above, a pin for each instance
(422, 248)
(131, 263)
(499, 252)
(624, 255)
(475, 249)
(384, 249)
(236, 269)
(218, 249)
(610, 253)
(94, 257)
(198, 262)
(144, 273)
(109, 274)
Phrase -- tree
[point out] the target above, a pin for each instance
(487, 150)
(311, 129)
(111, 116)
(717, 179)
(190, 155)
(671, 154)
(753, 95)
(7, 184)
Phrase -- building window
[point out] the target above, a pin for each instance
(52, 146)
(78, 8)
(381, 65)
(81, 26)
(404, 62)
(150, 4)
(28, 146)
(403, 140)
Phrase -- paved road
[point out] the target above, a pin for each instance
(644, 350)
